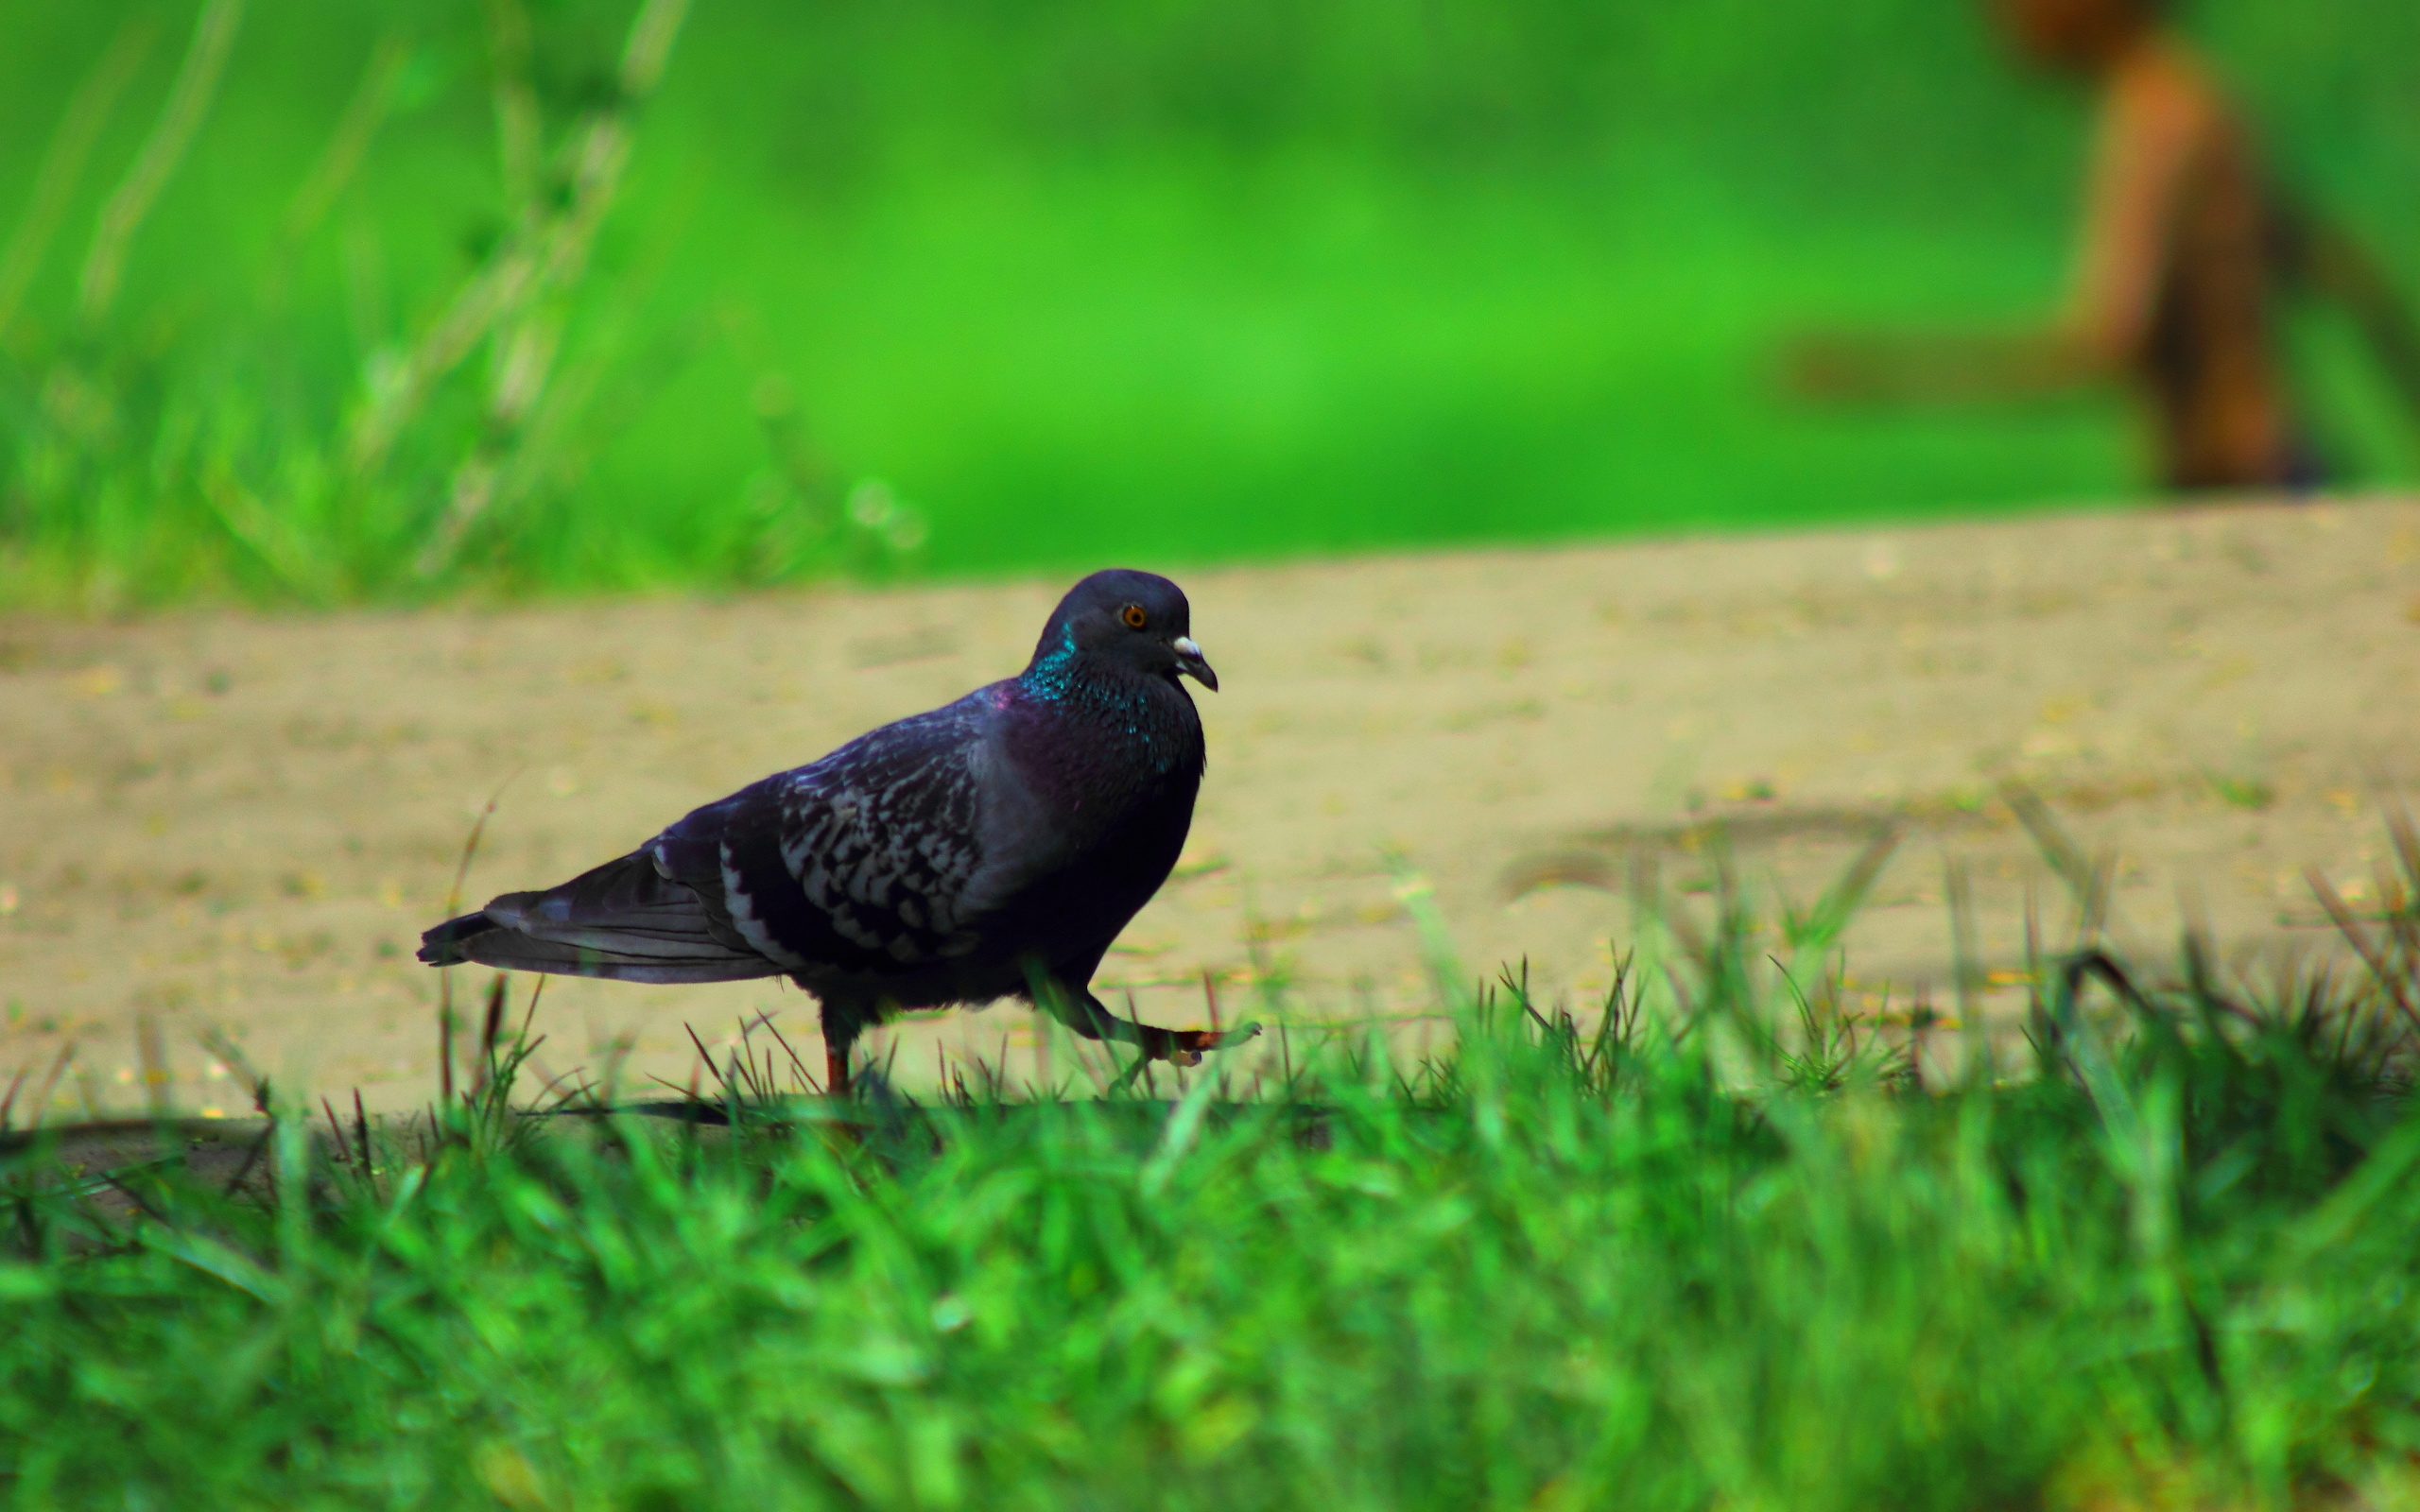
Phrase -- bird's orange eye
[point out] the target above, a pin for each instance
(1134, 616)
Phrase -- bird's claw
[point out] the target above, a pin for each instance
(1188, 1045)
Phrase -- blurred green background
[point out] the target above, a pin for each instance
(963, 286)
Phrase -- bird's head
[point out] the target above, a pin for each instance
(1132, 619)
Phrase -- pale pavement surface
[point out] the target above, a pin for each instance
(221, 819)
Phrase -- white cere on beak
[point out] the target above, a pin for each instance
(1190, 662)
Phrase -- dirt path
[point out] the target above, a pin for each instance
(223, 819)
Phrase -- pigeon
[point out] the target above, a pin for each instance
(993, 848)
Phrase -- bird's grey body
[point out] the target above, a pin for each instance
(991, 848)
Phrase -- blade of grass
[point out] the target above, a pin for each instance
(62, 161)
(189, 101)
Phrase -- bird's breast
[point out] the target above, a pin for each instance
(1087, 776)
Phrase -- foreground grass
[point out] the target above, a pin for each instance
(1677, 1258)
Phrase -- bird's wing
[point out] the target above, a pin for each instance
(624, 919)
(871, 860)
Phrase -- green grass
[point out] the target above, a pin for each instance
(1678, 1255)
(1076, 280)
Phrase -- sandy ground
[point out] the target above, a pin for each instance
(222, 820)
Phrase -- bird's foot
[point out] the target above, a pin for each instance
(1187, 1046)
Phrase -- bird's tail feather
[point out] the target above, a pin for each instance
(623, 921)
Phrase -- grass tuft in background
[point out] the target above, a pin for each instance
(306, 303)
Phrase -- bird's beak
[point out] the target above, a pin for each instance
(1188, 660)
